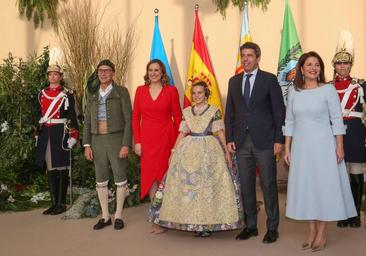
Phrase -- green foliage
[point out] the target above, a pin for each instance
(20, 82)
(39, 10)
(222, 5)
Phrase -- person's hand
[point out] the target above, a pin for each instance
(138, 149)
(71, 142)
(88, 153)
(231, 148)
(229, 159)
(277, 148)
(287, 157)
(340, 154)
(123, 153)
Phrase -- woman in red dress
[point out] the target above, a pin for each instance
(155, 121)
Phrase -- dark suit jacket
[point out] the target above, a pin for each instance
(264, 116)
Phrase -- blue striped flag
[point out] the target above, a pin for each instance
(158, 50)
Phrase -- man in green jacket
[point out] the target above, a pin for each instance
(107, 138)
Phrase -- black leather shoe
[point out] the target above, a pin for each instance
(118, 224)
(342, 223)
(49, 210)
(102, 224)
(247, 233)
(354, 222)
(58, 210)
(270, 237)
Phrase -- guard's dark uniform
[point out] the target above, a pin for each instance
(351, 92)
(57, 125)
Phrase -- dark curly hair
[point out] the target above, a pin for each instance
(299, 79)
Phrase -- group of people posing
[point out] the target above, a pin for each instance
(198, 167)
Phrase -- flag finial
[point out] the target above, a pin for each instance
(156, 11)
(196, 7)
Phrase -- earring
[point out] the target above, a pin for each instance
(303, 78)
(318, 79)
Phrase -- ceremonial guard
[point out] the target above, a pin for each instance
(351, 92)
(56, 134)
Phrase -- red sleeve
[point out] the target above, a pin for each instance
(176, 110)
(136, 117)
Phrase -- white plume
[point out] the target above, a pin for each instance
(56, 57)
(345, 42)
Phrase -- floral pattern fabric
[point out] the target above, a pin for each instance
(199, 192)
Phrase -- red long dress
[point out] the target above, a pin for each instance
(155, 125)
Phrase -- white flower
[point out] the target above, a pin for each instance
(111, 192)
(3, 187)
(134, 186)
(159, 195)
(4, 126)
(11, 199)
(38, 197)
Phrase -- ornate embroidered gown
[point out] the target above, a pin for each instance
(198, 193)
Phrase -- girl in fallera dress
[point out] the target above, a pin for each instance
(198, 193)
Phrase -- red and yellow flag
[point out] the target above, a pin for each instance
(200, 68)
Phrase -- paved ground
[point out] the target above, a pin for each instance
(31, 234)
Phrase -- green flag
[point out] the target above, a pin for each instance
(290, 50)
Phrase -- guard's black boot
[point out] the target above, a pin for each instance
(52, 177)
(62, 191)
(357, 192)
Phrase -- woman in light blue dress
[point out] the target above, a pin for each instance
(318, 186)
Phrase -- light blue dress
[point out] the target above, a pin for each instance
(318, 187)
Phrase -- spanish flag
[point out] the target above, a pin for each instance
(200, 68)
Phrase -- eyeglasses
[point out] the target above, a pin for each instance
(104, 71)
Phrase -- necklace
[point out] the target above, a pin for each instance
(199, 109)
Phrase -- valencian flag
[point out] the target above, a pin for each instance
(244, 37)
(157, 48)
(290, 51)
(200, 68)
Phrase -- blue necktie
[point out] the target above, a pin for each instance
(247, 89)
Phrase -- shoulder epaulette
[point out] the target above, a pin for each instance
(69, 91)
(357, 81)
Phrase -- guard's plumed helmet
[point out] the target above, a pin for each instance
(344, 50)
(56, 60)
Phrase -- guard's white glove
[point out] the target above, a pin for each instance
(71, 142)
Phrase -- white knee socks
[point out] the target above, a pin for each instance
(120, 199)
(103, 200)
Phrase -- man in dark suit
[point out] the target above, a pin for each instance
(255, 113)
